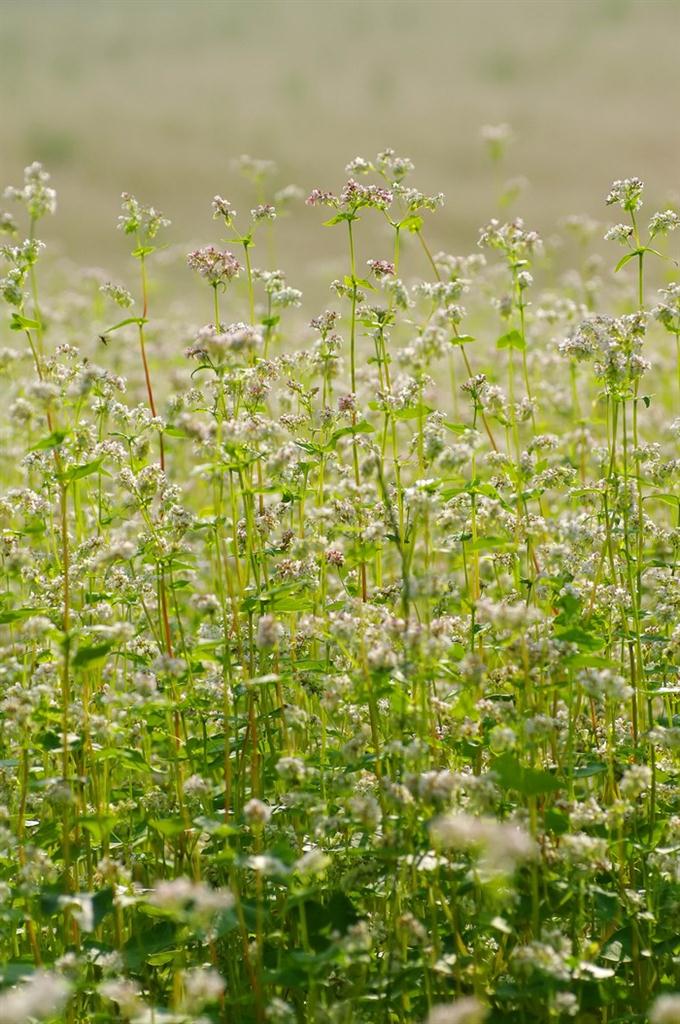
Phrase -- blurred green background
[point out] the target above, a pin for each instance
(158, 97)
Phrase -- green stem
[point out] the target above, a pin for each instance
(251, 291)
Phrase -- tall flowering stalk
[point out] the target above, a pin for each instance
(143, 223)
(353, 198)
(40, 199)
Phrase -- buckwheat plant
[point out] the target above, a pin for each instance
(340, 636)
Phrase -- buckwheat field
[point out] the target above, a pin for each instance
(339, 632)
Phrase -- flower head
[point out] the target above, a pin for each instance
(222, 208)
(501, 845)
(627, 192)
(137, 219)
(463, 1011)
(43, 994)
(381, 268)
(265, 211)
(36, 194)
(663, 222)
(217, 266)
(666, 1009)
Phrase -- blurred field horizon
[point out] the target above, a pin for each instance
(159, 98)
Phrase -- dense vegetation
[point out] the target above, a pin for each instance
(339, 676)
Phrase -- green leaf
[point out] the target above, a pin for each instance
(213, 827)
(139, 320)
(627, 258)
(310, 447)
(556, 821)
(17, 614)
(49, 740)
(98, 825)
(53, 440)
(79, 472)
(584, 639)
(168, 827)
(125, 756)
(23, 323)
(161, 959)
(143, 943)
(527, 781)
(102, 904)
(362, 427)
(336, 914)
(338, 219)
(412, 223)
(513, 339)
(571, 608)
(588, 661)
(667, 499)
(586, 771)
(301, 602)
(462, 339)
(414, 413)
(86, 656)
(484, 543)
(358, 282)
(16, 970)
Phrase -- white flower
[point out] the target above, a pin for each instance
(291, 768)
(619, 233)
(269, 632)
(313, 862)
(257, 813)
(663, 222)
(81, 908)
(126, 993)
(42, 995)
(501, 844)
(636, 780)
(202, 985)
(627, 193)
(666, 1009)
(183, 897)
(463, 1011)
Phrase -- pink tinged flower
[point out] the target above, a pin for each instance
(381, 268)
(215, 265)
(317, 197)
